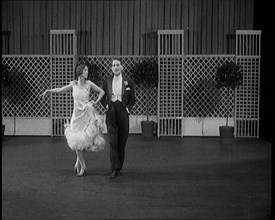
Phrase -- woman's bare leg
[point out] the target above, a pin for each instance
(77, 163)
(82, 162)
(83, 159)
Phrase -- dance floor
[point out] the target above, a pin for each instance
(163, 178)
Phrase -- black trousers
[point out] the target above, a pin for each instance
(117, 120)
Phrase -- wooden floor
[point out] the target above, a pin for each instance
(164, 178)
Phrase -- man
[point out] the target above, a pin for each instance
(118, 100)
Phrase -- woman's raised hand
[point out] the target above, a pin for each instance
(44, 93)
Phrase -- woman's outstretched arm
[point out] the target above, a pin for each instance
(58, 90)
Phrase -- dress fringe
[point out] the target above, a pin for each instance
(91, 139)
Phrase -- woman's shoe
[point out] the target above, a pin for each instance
(113, 175)
(76, 168)
(81, 173)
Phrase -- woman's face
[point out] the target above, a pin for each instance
(116, 67)
(85, 72)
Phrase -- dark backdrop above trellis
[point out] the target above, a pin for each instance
(124, 27)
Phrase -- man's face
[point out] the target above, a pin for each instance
(116, 67)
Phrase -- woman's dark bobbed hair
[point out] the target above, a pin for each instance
(79, 70)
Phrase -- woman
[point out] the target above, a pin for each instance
(85, 129)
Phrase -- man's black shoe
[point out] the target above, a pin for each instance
(113, 175)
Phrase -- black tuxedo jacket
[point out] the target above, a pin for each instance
(128, 92)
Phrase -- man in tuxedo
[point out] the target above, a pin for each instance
(118, 100)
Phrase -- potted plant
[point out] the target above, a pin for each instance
(145, 73)
(228, 76)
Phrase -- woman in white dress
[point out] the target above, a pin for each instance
(86, 126)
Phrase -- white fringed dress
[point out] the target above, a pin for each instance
(86, 126)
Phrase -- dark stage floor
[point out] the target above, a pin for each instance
(164, 178)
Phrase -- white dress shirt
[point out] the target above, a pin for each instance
(117, 89)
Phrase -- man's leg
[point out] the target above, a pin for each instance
(112, 128)
(123, 131)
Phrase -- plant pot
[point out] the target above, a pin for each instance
(226, 134)
(147, 128)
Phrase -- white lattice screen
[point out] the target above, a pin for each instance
(248, 55)
(186, 88)
(170, 105)
(32, 78)
(63, 42)
(201, 98)
(63, 46)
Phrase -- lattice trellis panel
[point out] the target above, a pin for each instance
(32, 77)
(170, 106)
(170, 82)
(63, 51)
(104, 63)
(62, 74)
(63, 42)
(194, 93)
(201, 98)
(248, 54)
(190, 91)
